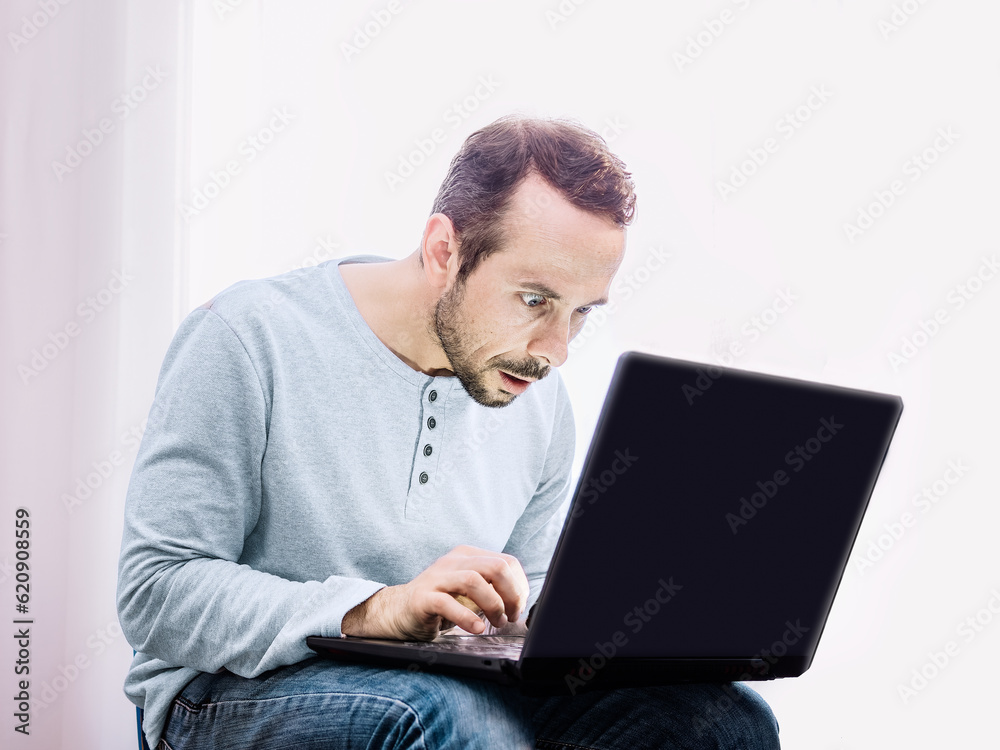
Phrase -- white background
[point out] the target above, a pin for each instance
(686, 93)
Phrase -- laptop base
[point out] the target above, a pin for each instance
(553, 676)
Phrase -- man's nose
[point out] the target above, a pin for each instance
(551, 342)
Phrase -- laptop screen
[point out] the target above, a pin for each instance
(714, 514)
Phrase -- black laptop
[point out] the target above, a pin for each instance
(708, 534)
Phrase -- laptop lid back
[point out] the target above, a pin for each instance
(714, 516)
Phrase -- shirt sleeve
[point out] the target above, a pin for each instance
(194, 496)
(536, 533)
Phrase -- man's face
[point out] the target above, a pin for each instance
(518, 311)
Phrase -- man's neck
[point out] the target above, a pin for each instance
(399, 310)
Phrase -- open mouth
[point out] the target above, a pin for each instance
(514, 384)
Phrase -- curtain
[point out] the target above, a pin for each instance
(94, 111)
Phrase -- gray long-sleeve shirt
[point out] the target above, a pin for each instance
(292, 465)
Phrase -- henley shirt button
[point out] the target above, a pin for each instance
(432, 396)
(423, 477)
(427, 449)
(431, 422)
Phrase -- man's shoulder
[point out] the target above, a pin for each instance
(253, 296)
(293, 298)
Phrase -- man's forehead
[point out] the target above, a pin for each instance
(555, 245)
(563, 272)
(539, 256)
(556, 268)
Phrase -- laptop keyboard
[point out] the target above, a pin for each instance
(503, 646)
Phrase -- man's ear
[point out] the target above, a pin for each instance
(439, 251)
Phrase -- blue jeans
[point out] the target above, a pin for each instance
(322, 704)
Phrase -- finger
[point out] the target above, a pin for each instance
(507, 579)
(477, 592)
(467, 602)
(521, 577)
(452, 613)
(502, 571)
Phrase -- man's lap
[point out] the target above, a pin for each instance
(321, 704)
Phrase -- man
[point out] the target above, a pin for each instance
(349, 448)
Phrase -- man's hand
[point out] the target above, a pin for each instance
(420, 609)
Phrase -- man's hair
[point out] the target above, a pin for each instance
(483, 176)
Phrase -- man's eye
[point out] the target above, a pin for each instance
(584, 310)
(531, 299)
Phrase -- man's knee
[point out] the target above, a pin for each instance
(735, 715)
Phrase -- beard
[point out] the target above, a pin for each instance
(453, 334)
